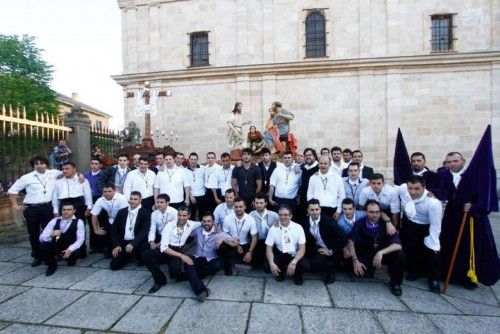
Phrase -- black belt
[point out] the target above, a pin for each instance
(34, 205)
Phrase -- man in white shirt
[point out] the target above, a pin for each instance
(62, 238)
(179, 159)
(337, 165)
(196, 175)
(420, 230)
(37, 209)
(284, 184)
(224, 209)
(353, 183)
(286, 248)
(239, 225)
(116, 174)
(384, 194)
(159, 219)
(111, 202)
(224, 176)
(264, 219)
(211, 183)
(142, 180)
(160, 163)
(347, 156)
(328, 188)
(174, 182)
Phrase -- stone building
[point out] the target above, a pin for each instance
(351, 71)
(98, 119)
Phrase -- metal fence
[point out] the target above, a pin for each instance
(109, 141)
(21, 139)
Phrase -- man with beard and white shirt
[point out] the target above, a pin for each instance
(224, 209)
(420, 230)
(353, 183)
(337, 165)
(211, 183)
(196, 175)
(308, 169)
(142, 180)
(347, 156)
(224, 176)
(163, 214)
(264, 219)
(239, 225)
(433, 181)
(284, 184)
(174, 182)
(179, 159)
(328, 188)
(111, 201)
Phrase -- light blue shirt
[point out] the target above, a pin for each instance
(347, 225)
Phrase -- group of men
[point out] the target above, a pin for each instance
(321, 214)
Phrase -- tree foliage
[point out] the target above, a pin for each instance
(25, 76)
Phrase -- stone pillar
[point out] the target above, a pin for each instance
(79, 138)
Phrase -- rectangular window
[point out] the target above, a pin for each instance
(98, 125)
(199, 48)
(442, 33)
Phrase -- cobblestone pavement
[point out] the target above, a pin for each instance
(90, 298)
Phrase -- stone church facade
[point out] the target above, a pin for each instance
(351, 71)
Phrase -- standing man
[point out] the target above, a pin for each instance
(353, 183)
(308, 169)
(224, 209)
(264, 219)
(179, 159)
(420, 230)
(94, 178)
(324, 241)
(338, 165)
(196, 175)
(61, 154)
(160, 163)
(365, 171)
(37, 209)
(135, 160)
(174, 182)
(286, 248)
(328, 188)
(224, 176)
(433, 181)
(247, 179)
(159, 219)
(141, 180)
(116, 174)
(347, 156)
(211, 184)
(267, 167)
(284, 184)
(129, 232)
(370, 247)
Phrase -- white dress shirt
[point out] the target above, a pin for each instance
(328, 189)
(196, 178)
(224, 179)
(353, 188)
(211, 173)
(172, 181)
(264, 221)
(388, 198)
(239, 228)
(293, 234)
(112, 206)
(286, 181)
(71, 188)
(130, 225)
(64, 225)
(39, 187)
(338, 169)
(221, 212)
(457, 176)
(172, 235)
(159, 220)
(141, 182)
(314, 229)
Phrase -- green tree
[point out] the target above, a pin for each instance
(25, 76)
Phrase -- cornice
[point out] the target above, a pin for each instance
(133, 4)
(320, 66)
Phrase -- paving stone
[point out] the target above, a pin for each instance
(419, 284)
(26, 258)
(375, 296)
(191, 314)
(95, 311)
(453, 324)
(4, 324)
(172, 289)
(269, 318)
(22, 274)
(472, 308)
(320, 320)
(121, 281)
(148, 315)
(251, 273)
(104, 264)
(496, 290)
(236, 288)
(7, 267)
(405, 322)
(310, 293)
(89, 260)
(37, 305)
(63, 278)
(10, 253)
(23, 244)
(32, 329)
(483, 294)
(7, 291)
(426, 302)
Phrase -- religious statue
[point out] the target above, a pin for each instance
(235, 127)
(255, 140)
(278, 129)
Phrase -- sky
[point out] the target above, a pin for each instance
(81, 39)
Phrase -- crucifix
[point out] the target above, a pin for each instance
(147, 141)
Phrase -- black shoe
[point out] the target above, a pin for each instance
(228, 271)
(36, 262)
(84, 254)
(140, 263)
(203, 295)
(471, 286)
(330, 278)
(93, 251)
(396, 290)
(155, 288)
(279, 278)
(107, 255)
(71, 263)
(434, 286)
(298, 281)
(411, 277)
(50, 271)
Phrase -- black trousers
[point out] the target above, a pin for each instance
(291, 202)
(205, 268)
(210, 202)
(101, 217)
(227, 252)
(177, 205)
(259, 253)
(282, 260)
(176, 267)
(321, 262)
(103, 241)
(395, 262)
(248, 204)
(200, 207)
(328, 211)
(37, 217)
(51, 253)
(148, 203)
(123, 257)
(420, 260)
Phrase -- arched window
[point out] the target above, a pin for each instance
(315, 35)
